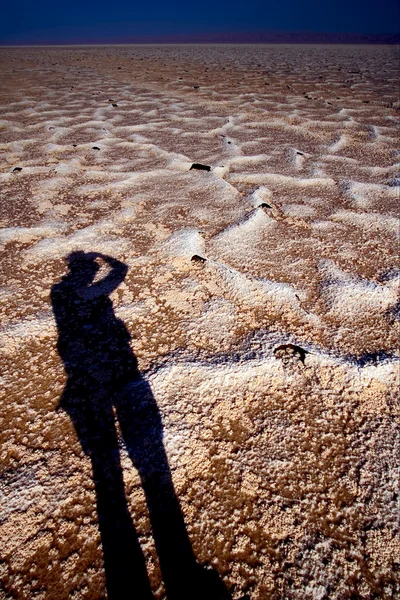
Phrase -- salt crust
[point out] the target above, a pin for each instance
(351, 296)
(285, 469)
(369, 221)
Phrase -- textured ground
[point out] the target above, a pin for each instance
(285, 469)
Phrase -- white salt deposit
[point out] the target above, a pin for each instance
(372, 221)
(298, 210)
(28, 234)
(369, 195)
(245, 233)
(185, 243)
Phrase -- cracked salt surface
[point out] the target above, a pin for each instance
(283, 461)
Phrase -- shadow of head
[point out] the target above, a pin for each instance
(82, 266)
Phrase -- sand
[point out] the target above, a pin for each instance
(284, 462)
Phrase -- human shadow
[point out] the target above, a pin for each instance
(104, 385)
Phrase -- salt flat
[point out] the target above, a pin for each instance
(284, 464)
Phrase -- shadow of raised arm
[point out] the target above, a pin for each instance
(110, 282)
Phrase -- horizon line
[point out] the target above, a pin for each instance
(218, 38)
(110, 44)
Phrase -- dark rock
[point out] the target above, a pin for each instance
(300, 153)
(74, 145)
(196, 87)
(264, 205)
(114, 104)
(17, 169)
(95, 148)
(200, 167)
(198, 259)
(290, 353)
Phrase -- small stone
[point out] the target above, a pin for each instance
(289, 352)
(198, 259)
(200, 167)
(95, 148)
(17, 169)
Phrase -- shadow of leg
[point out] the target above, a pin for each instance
(124, 563)
(141, 428)
(183, 577)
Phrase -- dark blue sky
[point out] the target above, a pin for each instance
(80, 21)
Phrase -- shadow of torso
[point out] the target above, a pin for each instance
(101, 368)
